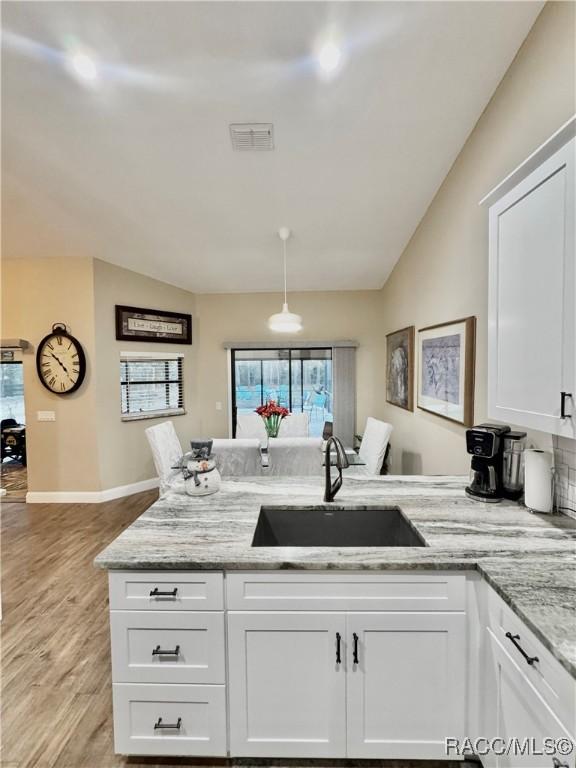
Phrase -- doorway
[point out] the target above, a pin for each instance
(298, 379)
(13, 457)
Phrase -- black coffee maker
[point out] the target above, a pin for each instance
(486, 445)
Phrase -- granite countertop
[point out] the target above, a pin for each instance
(529, 559)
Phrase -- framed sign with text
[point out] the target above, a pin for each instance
(137, 324)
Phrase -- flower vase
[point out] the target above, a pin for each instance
(272, 415)
(272, 425)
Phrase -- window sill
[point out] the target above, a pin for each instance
(152, 415)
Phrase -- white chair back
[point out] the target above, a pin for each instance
(237, 458)
(294, 425)
(295, 456)
(166, 452)
(374, 442)
(250, 426)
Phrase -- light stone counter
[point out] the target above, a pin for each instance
(529, 559)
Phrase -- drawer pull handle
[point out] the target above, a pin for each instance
(557, 764)
(161, 652)
(157, 593)
(514, 640)
(355, 651)
(563, 397)
(174, 726)
(338, 655)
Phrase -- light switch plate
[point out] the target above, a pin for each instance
(46, 415)
(218, 405)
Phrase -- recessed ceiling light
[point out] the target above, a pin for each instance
(83, 66)
(329, 58)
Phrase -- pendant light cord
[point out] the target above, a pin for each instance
(284, 249)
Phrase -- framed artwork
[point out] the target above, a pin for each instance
(400, 368)
(137, 324)
(446, 361)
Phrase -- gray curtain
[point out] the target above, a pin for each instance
(344, 385)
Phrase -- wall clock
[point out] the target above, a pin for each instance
(60, 361)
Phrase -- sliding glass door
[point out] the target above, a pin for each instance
(298, 379)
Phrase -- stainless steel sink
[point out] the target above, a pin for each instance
(335, 526)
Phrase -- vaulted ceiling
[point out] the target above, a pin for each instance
(137, 168)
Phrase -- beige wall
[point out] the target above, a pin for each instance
(442, 274)
(62, 455)
(326, 317)
(88, 447)
(124, 456)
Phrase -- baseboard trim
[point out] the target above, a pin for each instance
(90, 497)
(127, 490)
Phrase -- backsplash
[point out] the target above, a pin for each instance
(565, 464)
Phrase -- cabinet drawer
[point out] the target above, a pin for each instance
(311, 591)
(198, 710)
(520, 713)
(138, 637)
(166, 590)
(546, 675)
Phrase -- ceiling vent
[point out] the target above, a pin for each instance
(252, 137)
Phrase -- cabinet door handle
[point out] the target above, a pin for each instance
(563, 397)
(514, 640)
(355, 649)
(174, 726)
(157, 593)
(338, 648)
(162, 652)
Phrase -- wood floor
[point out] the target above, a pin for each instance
(55, 663)
(14, 480)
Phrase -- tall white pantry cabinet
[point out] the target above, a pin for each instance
(532, 289)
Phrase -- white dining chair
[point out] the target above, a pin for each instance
(295, 425)
(293, 456)
(374, 443)
(237, 458)
(250, 425)
(166, 453)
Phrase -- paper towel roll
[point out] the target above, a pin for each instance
(538, 474)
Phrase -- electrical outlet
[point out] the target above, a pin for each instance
(46, 415)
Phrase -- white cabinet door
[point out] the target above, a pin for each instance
(286, 687)
(520, 714)
(406, 690)
(531, 327)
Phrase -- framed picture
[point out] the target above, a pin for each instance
(137, 324)
(446, 370)
(400, 368)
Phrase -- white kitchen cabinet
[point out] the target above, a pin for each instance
(395, 690)
(406, 691)
(167, 647)
(519, 712)
(532, 287)
(286, 687)
(523, 693)
(166, 590)
(276, 685)
(170, 719)
(345, 591)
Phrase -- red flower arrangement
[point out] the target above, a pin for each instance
(272, 414)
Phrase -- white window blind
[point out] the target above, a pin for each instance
(151, 385)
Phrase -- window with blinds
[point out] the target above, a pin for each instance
(151, 385)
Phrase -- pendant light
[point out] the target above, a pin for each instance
(285, 321)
